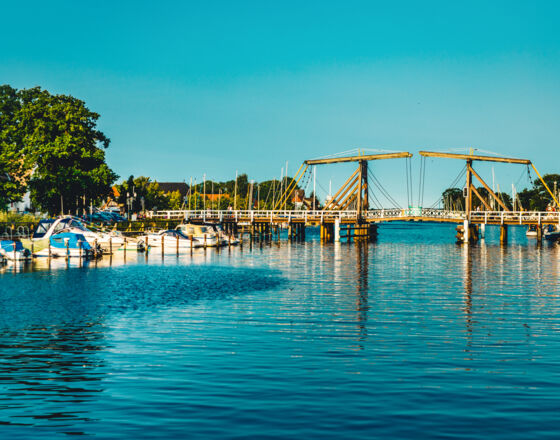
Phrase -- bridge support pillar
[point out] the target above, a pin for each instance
(483, 230)
(337, 230)
(327, 233)
(372, 232)
(466, 231)
(539, 233)
(503, 234)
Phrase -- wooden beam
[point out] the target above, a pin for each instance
(344, 187)
(358, 158)
(475, 157)
(486, 205)
(488, 189)
(353, 186)
(349, 201)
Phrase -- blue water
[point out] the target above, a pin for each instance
(409, 337)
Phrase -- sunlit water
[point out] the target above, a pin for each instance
(409, 337)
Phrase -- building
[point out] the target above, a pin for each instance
(169, 187)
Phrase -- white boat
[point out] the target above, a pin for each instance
(107, 241)
(224, 238)
(531, 231)
(13, 250)
(170, 241)
(67, 244)
(201, 233)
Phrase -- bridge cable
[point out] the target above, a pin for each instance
(383, 191)
(451, 185)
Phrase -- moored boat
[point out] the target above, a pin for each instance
(13, 250)
(552, 233)
(531, 231)
(200, 233)
(108, 241)
(66, 244)
(171, 240)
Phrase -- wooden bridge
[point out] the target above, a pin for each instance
(350, 205)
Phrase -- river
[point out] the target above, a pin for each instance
(412, 336)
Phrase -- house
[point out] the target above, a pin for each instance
(169, 187)
(302, 202)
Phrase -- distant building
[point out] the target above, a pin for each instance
(169, 187)
(302, 202)
(215, 197)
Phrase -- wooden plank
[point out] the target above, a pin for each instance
(475, 157)
(358, 158)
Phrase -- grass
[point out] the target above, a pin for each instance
(9, 217)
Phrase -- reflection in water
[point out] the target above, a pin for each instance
(362, 286)
(47, 374)
(467, 276)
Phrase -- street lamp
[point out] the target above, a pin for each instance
(129, 199)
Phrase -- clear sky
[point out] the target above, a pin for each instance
(187, 88)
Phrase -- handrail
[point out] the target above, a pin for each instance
(372, 215)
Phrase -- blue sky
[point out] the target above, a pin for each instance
(187, 88)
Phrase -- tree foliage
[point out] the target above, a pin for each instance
(50, 145)
(142, 193)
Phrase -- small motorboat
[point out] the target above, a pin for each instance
(552, 233)
(171, 240)
(224, 238)
(13, 250)
(109, 241)
(531, 231)
(201, 233)
(67, 244)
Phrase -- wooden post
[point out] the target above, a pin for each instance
(503, 234)
(177, 244)
(110, 245)
(162, 245)
(539, 233)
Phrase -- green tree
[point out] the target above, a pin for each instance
(175, 200)
(142, 190)
(453, 199)
(54, 143)
(14, 169)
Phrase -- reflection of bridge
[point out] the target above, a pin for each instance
(350, 205)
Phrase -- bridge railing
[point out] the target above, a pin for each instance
(521, 217)
(245, 215)
(490, 217)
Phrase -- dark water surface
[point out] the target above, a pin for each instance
(409, 337)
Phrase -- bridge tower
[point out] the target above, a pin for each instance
(469, 233)
(352, 194)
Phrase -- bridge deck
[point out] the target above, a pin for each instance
(372, 216)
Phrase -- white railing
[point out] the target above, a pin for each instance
(491, 217)
(281, 215)
(521, 217)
